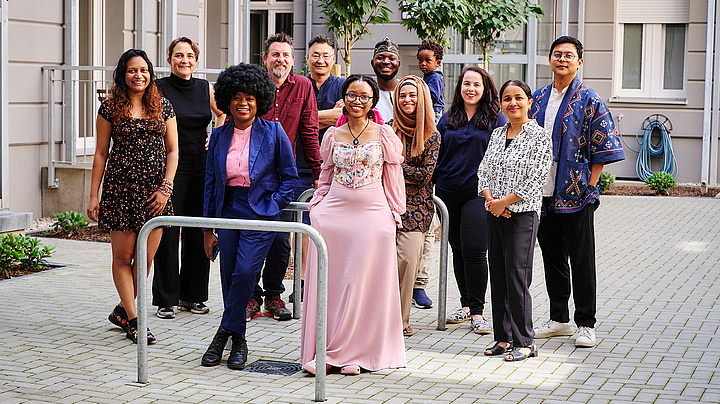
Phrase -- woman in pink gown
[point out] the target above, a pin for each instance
(357, 208)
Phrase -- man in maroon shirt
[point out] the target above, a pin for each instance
(296, 110)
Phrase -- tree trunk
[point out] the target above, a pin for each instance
(486, 62)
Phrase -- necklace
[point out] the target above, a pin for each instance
(355, 138)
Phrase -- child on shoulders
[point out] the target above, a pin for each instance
(429, 57)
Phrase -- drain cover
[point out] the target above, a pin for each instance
(274, 368)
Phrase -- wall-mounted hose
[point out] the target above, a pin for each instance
(648, 150)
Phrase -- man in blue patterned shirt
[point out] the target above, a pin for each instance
(584, 139)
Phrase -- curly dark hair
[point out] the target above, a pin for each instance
(488, 107)
(367, 79)
(433, 46)
(567, 39)
(248, 79)
(121, 105)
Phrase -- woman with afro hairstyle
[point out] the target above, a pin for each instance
(250, 174)
(139, 175)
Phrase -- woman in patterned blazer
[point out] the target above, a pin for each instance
(511, 177)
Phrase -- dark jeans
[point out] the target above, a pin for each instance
(567, 241)
(468, 240)
(278, 257)
(184, 278)
(511, 243)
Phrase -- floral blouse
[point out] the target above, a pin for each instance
(356, 166)
(418, 173)
(520, 168)
(362, 166)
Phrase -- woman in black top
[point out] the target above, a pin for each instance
(185, 283)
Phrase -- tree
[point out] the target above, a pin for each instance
(349, 20)
(487, 21)
(430, 19)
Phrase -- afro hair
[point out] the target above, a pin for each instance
(248, 79)
(435, 47)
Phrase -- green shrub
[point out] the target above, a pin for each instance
(661, 182)
(26, 252)
(69, 223)
(606, 179)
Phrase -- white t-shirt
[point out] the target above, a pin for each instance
(551, 111)
(385, 105)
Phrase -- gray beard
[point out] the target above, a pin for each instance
(280, 73)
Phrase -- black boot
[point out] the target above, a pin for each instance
(238, 353)
(214, 353)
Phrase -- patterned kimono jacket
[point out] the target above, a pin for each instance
(583, 134)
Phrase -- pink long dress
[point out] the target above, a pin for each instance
(359, 201)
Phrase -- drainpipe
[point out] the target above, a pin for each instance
(233, 32)
(581, 29)
(4, 109)
(170, 28)
(246, 31)
(707, 107)
(308, 23)
(714, 129)
(565, 15)
(140, 26)
(71, 112)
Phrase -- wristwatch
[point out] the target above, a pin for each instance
(591, 188)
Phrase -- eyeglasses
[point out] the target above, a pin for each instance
(364, 98)
(565, 56)
(324, 56)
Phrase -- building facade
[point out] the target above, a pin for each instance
(643, 57)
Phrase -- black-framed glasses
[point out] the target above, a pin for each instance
(364, 98)
(569, 56)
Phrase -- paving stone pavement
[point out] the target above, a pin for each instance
(658, 338)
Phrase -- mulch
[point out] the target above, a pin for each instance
(642, 190)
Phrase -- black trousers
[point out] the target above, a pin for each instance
(511, 243)
(468, 240)
(567, 241)
(184, 278)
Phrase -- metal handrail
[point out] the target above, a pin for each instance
(238, 224)
(441, 208)
(297, 258)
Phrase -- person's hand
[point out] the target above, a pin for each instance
(93, 208)
(207, 142)
(156, 203)
(209, 241)
(506, 213)
(497, 207)
(340, 103)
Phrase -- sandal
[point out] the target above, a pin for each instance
(496, 350)
(458, 316)
(480, 326)
(350, 370)
(517, 355)
(311, 368)
(408, 331)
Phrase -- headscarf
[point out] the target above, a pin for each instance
(420, 125)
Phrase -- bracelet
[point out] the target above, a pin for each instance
(165, 190)
(167, 182)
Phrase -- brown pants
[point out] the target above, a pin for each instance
(409, 252)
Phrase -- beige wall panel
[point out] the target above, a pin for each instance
(696, 94)
(190, 7)
(189, 26)
(37, 10)
(213, 30)
(597, 65)
(695, 66)
(696, 36)
(28, 124)
(602, 87)
(152, 16)
(28, 83)
(596, 11)
(698, 11)
(25, 193)
(598, 37)
(21, 34)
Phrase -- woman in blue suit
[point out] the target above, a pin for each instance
(250, 174)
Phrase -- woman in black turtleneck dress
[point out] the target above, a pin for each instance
(185, 283)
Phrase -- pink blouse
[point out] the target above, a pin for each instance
(238, 167)
(364, 164)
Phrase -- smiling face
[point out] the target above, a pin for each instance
(358, 90)
(137, 75)
(515, 104)
(407, 100)
(321, 58)
(183, 59)
(243, 108)
(562, 67)
(385, 65)
(427, 61)
(279, 59)
(472, 88)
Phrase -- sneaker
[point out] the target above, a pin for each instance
(131, 332)
(253, 309)
(119, 317)
(275, 308)
(480, 326)
(165, 312)
(421, 300)
(197, 308)
(552, 328)
(585, 337)
(458, 316)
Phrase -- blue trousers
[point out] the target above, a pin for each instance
(241, 258)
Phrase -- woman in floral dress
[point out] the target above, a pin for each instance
(138, 179)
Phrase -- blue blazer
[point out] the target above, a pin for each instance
(273, 174)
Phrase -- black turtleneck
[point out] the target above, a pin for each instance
(191, 101)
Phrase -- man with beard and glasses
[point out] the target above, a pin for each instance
(296, 109)
(385, 63)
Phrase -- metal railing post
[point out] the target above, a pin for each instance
(441, 208)
(257, 225)
(297, 260)
(52, 181)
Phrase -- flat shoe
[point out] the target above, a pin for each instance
(312, 369)
(350, 370)
(408, 331)
(517, 355)
(496, 350)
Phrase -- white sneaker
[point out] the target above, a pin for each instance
(585, 337)
(552, 328)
